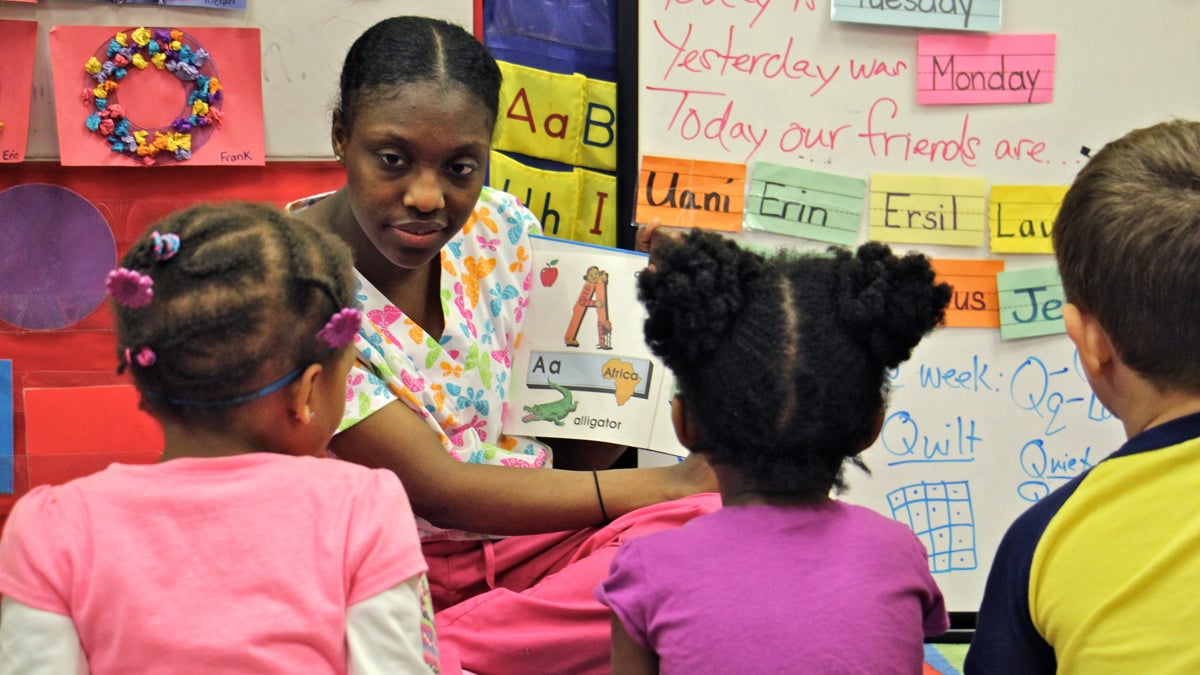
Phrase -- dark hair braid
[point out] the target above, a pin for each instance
(240, 304)
(783, 361)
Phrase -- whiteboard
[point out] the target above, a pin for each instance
(303, 44)
(978, 428)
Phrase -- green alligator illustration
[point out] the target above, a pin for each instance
(554, 411)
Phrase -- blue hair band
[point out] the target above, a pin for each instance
(231, 401)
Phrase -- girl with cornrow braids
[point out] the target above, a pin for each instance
(241, 551)
(782, 369)
(515, 543)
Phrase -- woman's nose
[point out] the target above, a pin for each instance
(424, 191)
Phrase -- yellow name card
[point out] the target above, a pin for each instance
(928, 210)
(1023, 217)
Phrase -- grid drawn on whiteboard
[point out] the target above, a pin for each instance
(942, 517)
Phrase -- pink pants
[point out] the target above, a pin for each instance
(524, 604)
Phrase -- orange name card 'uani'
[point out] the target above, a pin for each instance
(689, 193)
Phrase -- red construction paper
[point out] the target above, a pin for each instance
(237, 57)
(16, 87)
(71, 432)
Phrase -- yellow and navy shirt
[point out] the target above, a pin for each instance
(1103, 575)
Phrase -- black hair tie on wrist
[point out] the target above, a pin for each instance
(600, 498)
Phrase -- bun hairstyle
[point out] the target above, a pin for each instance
(889, 303)
(782, 360)
(219, 299)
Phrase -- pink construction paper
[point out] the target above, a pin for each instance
(237, 59)
(958, 69)
(16, 87)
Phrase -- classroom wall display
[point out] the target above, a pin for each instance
(555, 149)
(155, 95)
(16, 86)
(555, 146)
(964, 130)
(302, 44)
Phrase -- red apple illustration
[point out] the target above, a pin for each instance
(549, 273)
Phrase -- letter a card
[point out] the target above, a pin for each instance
(582, 368)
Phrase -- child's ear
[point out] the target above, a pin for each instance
(302, 394)
(875, 430)
(685, 427)
(1096, 351)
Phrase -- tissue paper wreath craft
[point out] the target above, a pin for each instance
(167, 49)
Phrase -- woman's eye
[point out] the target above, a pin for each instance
(462, 169)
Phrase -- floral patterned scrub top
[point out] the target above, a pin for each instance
(458, 384)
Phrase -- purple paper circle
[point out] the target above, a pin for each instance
(55, 251)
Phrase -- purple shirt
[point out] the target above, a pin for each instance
(828, 588)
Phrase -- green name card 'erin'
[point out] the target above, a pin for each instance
(803, 203)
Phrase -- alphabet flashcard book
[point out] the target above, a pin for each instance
(582, 368)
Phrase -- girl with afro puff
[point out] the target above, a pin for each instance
(782, 367)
